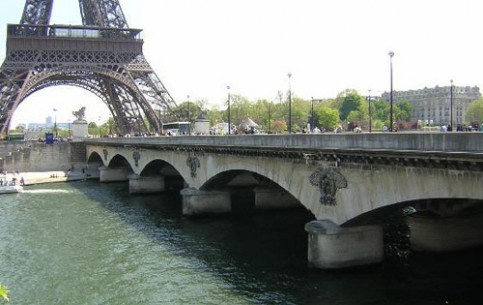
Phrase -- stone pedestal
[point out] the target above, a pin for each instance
(197, 202)
(113, 174)
(145, 185)
(79, 130)
(271, 199)
(334, 247)
(436, 234)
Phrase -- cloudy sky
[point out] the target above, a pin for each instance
(198, 47)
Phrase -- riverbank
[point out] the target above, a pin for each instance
(32, 178)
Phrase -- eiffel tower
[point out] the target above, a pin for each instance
(103, 56)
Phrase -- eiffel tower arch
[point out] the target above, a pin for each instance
(103, 56)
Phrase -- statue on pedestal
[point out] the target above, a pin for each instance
(80, 114)
(79, 126)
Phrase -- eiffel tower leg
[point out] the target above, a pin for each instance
(11, 84)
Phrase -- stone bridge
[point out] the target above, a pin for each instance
(342, 179)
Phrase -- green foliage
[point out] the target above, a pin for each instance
(215, 116)
(475, 111)
(405, 110)
(189, 110)
(4, 293)
(351, 101)
(328, 118)
(300, 113)
(272, 116)
(354, 116)
(381, 110)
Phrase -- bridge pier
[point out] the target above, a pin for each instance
(436, 234)
(113, 174)
(196, 202)
(268, 199)
(146, 184)
(333, 247)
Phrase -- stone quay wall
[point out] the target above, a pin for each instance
(33, 156)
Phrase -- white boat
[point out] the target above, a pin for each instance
(9, 189)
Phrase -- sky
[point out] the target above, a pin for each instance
(199, 47)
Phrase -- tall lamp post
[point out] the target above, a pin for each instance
(229, 116)
(451, 106)
(391, 54)
(189, 117)
(289, 103)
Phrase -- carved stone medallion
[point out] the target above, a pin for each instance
(136, 156)
(193, 163)
(328, 180)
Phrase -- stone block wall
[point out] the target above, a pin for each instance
(36, 156)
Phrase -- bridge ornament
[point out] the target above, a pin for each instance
(329, 181)
(136, 156)
(105, 153)
(193, 163)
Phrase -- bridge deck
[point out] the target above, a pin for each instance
(416, 149)
(471, 142)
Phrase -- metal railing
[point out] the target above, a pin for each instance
(69, 31)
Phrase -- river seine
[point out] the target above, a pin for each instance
(87, 243)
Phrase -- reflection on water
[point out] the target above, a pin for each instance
(86, 243)
(45, 191)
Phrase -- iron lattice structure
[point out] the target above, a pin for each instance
(103, 56)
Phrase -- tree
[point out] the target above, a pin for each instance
(188, 110)
(279, 126)
(354, 116)
(264, 114)
(300, 113)
(405, 111)
(381, 110)
(351, 101)
(475, 111)
(240, 109)
(328, 118)
(93, 129)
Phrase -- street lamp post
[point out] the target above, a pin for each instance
(451, 106)
(391, 54)
(289, 103)
(229, 115)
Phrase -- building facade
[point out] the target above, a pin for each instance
(433, 104)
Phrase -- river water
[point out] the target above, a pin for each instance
(87, 243)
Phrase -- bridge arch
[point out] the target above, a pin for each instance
(119, 161)
(379, 187)
(172, 178)
(94, 163)
(118, 168)
(237, 178)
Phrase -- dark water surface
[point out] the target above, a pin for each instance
(86, 243)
